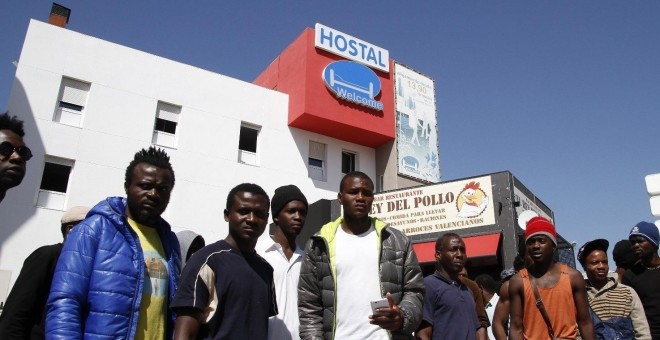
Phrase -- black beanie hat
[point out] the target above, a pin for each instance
(284, 195)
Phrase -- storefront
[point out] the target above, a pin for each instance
(483, 210)
(343, 87)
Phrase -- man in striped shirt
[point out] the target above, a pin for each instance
(608, 298)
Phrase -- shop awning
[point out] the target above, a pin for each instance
(475, 246)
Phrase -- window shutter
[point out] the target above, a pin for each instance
(74, 92)
(317, 150)
(168, 112)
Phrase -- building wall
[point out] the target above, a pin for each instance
(118, 120)
(312, 106)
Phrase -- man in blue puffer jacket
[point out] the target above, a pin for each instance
(119, 268)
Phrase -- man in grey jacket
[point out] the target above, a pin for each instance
(352, 261)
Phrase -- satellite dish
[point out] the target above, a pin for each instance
(524, 217)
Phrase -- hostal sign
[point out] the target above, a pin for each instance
(351, 48)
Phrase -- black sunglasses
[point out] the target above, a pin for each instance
(6, 149)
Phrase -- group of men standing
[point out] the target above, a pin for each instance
(243, 288)
(546, 299)
(118, 274)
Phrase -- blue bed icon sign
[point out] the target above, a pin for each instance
(410, 163)
(353, 82)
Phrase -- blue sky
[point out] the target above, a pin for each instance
(564, 94)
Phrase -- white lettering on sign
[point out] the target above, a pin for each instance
(351, 48)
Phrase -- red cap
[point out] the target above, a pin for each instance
(540, 226)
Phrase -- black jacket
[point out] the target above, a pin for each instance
(23, 315)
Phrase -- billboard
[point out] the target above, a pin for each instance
(438, 208)
(416, 125)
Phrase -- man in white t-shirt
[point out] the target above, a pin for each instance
(289, 210)
(353, 261)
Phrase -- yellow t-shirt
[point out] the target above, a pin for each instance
(153, 309)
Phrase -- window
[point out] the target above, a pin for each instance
(54, 183)
(347, 162)
(167, 119)
(316, 161)
(247, 144)
(71, 102)
(165, 125)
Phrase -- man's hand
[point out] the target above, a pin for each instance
(388, 318)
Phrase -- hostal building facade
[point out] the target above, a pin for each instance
(325, 106)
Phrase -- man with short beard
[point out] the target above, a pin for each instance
(644, 276)
(119, 268)
(13, 153)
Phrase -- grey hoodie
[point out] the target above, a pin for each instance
(186, 238)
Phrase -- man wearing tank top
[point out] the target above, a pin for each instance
(560, 287)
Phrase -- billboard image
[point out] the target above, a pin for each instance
(416, 123)
(438, 208)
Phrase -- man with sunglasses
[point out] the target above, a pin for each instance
(13, 153)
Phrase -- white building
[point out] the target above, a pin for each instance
(89, 105)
